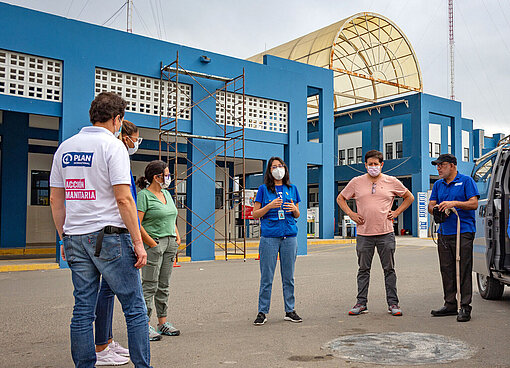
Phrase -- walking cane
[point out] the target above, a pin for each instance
(457, 258)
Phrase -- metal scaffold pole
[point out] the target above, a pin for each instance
(175, 102)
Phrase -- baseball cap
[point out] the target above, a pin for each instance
(445, 157)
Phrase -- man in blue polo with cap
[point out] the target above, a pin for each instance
(454, 190)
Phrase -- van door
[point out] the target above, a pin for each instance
(482, 175)
(496, 212)
(502, 250)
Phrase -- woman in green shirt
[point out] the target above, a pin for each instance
(158, 215)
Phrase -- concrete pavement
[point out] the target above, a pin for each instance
(214, 305)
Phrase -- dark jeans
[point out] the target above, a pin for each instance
(446, 251)
(385, 245)
(104, 314)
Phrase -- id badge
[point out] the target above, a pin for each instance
(281, 215)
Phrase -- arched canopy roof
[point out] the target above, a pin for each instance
(370, 56)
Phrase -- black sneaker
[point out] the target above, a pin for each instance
(293, 317)
(260, 320)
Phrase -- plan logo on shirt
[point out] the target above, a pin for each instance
(83, 159)
(75, 191)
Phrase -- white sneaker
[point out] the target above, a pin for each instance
(119, 349)
(108, 357)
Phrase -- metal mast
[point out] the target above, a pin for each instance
(452, 50)
(129, 20)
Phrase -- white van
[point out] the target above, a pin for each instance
(491, 247)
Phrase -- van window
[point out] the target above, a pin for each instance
(484, 171)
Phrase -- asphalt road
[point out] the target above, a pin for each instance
(215, 303)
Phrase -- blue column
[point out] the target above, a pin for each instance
(376, 132)
(295, 156)
(456, 124)
(444, 138)
(200, 199)
(327, 185)
(201, 184)
(13, 219)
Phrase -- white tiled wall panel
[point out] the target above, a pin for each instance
(261, 113)
(142, 93)
(30, 76)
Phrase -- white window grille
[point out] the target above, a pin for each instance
(30, 76)
(261, 113)
(142, 93)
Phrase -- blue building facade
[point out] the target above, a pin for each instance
(411, 130)
(52, 68)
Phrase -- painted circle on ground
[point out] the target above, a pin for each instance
(400, 348)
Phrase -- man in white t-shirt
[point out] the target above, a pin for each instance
(96, 218)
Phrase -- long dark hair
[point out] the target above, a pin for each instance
(155, 167)
(268, 177)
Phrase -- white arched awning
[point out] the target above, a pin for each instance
(370, 56)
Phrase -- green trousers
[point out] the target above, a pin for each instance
(156, 275)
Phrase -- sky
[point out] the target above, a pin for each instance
(242, 28)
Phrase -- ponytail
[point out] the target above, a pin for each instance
(142, 182)
(155, 167)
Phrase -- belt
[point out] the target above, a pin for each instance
(107, 230)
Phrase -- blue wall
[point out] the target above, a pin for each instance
(83, 47)
(415, 168)
(13, 217)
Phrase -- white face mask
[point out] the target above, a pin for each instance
(166, 183)
(278, 173)
(132, 150)
(117, 133)
(374, 171)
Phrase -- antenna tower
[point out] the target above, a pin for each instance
(129, 20)
(452, 50)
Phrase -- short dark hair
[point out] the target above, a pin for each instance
(128, 128)
(374, 153)
(106, 106)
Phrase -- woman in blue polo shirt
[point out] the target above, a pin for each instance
(277, 206)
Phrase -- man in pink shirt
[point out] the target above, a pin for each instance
(374, 193)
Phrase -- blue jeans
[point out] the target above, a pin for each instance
(104, 313)
(116, 265)
(268, 250)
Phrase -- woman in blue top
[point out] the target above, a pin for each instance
(108, 351)
(276, 204)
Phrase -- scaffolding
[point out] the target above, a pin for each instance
(230, 118)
